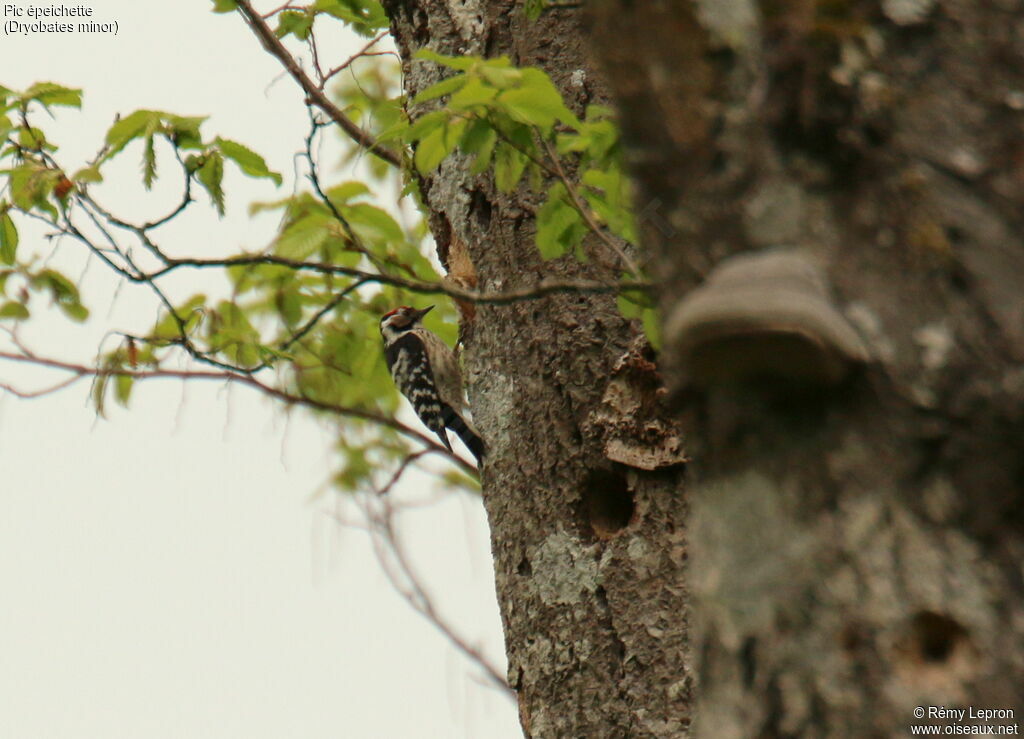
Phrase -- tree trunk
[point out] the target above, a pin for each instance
(586, 531)
(845, 181)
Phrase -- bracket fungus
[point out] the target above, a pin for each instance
(764, 314)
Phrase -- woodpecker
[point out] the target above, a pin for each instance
(427, 373)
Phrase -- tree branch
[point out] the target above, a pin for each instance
(82, 371)
(365, 51)
(515, 295)
(313, 91)
(584, 211)
(406, 582)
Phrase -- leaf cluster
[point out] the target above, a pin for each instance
(365, 17)
(314, 329)
(514, 124)
(302, 309)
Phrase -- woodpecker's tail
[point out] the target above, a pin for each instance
(466, 432)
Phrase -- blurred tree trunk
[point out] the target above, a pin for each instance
(582, 482)
(853, 394)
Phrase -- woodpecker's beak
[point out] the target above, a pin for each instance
(425, 311)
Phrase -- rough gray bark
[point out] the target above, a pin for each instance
(588, 544)
(856, 526)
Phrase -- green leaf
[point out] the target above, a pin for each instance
(191, 312)
(33, 138)
(60, 286)
(560, 226)
(166, 328)
(508, 167)
(50, 93)
(427, 124)
(99, 392)
(431, 151)
(398, 130)
(193, 162)
(373, 224)
(224, 6)
(123, 388)
(293, 22)
(88, 174)
(130, 127)
(184, 130)
(652, 328)
(455, 62)
(536, 101)
(247, 160)
(640, 305)
(483, 159)
(611, 183)
(607, 194)
(289, 305)
(501, 76)
(533, 8)
(444, 87)
(231, 332)
(64, 292)
(473, 94)
(346, 191)
(8, 238)
(302, 237)
(149, 161)
(31, 185)
(210, 176)
(14, 311)
(75, 311)
(364, 16)
(476, 135)
(479, 139)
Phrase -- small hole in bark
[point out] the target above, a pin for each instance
(748, 660)
(852, 638)
(955, 234)
(935, 637)
(959, 279)
(480, 206)
(607, 503)
(935, 653)
(525, 568)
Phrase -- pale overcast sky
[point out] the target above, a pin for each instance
(171, 572)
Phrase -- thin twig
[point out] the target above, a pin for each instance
(408, 585)
(365, 51)
(29, 394)
(314, 177)
(275, 11)
(516, 295)
(83, 371)
(311, 323)
(409, 460)
(548, 286)
(584, 211)
(274, 46)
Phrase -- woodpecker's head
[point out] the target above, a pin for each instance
(395, 323)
